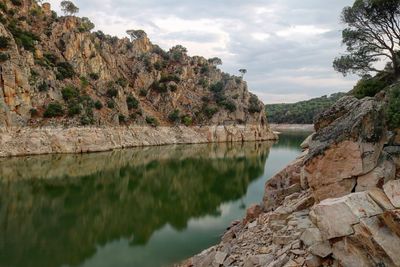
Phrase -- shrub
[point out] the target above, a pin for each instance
(74, 109)
(203, 82)
(112, 92)
(159, 87)
(186, 120)
(4, 42)
(229, 105)
(4, 57)
(53, 110)
(84, 82)
(152, 121)
(86, 25)
(98, 105)
(393, 109)
(51, 59)
(217, 87)
(94, 76)
(170, 78)
(122, 82)
(210, 111)
(254, 106)
(23, 38)
(143, 92)
(174, 116)
(69, 92)
(110, 104)
(121, 118)
(370, 86)
(43, 87)
(132, 102)
(86, 120)
(3, 7)
(205, 69)
(64, 71)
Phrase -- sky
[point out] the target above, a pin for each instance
(287, 46)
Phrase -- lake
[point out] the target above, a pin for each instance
(144, 207)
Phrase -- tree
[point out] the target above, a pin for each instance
(372, 34)
(136, 34)
(69, 8)
(215, 61)
(243, 72)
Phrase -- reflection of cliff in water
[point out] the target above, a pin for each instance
(121, 194)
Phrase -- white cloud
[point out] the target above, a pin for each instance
(286, 45)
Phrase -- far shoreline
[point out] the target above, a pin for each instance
(292, 127)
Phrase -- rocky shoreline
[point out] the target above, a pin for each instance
(338, 204)
(292, 127)
(49, 140)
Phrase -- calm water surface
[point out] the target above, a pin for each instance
(145, 207)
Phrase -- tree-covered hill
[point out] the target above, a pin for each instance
(301, 112)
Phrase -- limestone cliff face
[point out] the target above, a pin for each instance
(54, 71)
(338, 204)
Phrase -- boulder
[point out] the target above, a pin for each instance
(392, 220)
(348, 141)
(350, 255)
(283, 184)
(335, 217)
(392, 190)
(252, 213)
(384, 172)
(380, 198)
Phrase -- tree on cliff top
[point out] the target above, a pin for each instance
(372, 34)
(69, 8)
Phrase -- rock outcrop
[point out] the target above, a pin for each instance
(55, 72)
(338, 204)
(30, 141)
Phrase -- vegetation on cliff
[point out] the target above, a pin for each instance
(70, 75)
(302, 112)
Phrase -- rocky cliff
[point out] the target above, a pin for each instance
(55, 72)
(336, 205)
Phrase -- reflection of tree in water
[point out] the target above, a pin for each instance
(290, 140)
(61, 220)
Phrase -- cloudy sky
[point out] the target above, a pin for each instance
(287, 46)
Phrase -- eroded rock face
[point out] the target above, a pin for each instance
(347, 144)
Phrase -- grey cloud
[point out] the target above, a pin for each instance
(270, 61)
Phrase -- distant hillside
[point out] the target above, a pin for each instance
(301, 112)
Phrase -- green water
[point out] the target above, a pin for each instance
(137, 207)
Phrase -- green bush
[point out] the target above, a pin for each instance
(393, 109)
(69, 92)
(64, 71)
(74, 108)
(23, 38)
(43, 87)
(122, 82)
(4, 57)
(170, 78)
(84, 82)
(159, 87)
(254, 105)
(50, 58)
(110, 104)
(186, 120)
(368, 87)
(112, 92)
(173, 87)
(132, 102)
(4, 42)
(152, 121)
(217, 87)
(3, 7)
(229, 105)
(203, 82)
(174, 116)
(121, 118)
(210, 111)
(86, 25)
(143, 92)
(53, 110)
(98, 105)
